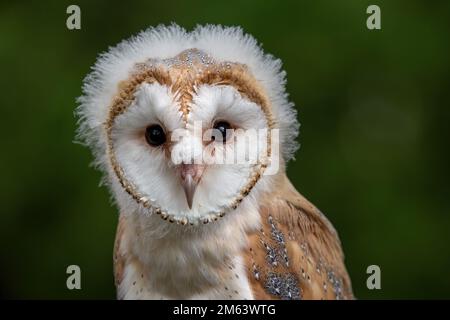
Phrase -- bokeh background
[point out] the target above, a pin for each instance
(374, 156)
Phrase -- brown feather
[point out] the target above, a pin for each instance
(296, 254)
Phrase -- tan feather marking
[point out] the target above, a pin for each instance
(184, 76)
(126, 89)
(296, 246)
(239, 77)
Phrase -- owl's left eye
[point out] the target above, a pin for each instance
(223, 128)
(155, 135)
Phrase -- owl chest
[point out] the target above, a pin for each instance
(200, 282)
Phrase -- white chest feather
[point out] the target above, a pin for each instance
(166, 262)
(232, 285)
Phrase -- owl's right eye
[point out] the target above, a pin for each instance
(155, 135)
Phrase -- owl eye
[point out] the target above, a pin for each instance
(155, 135)
(223, 128)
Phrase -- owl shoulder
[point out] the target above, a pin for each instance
(296, 254)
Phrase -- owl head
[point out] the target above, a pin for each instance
(187, 126)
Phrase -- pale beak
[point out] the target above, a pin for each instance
(190, 175)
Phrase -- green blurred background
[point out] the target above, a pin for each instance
(374, 138)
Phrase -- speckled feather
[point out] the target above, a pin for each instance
(296, 254)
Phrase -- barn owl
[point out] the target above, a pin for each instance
(161, 111)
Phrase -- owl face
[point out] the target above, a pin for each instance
(188, 134)
(189, 137)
